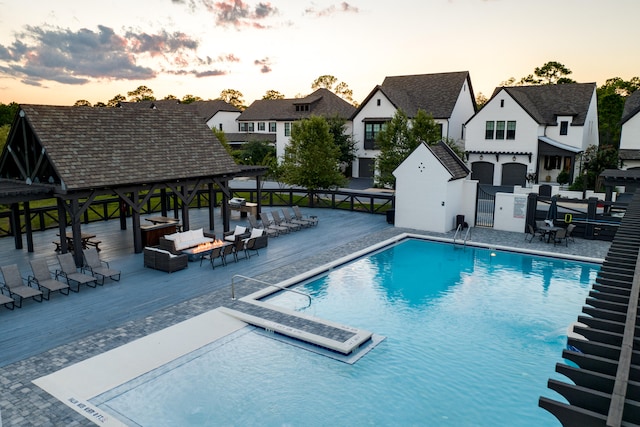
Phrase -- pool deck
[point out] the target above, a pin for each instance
(41, 338)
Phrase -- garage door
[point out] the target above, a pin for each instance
(514, 174)
(483, 172)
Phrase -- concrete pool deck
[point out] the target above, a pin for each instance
(23, 403)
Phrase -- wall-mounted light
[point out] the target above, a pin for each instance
(513, 158)
(481, 157)
(442, 203)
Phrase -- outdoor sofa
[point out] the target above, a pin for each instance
(163, 260)
(178, 242)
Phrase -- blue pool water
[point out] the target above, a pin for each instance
(471, 338)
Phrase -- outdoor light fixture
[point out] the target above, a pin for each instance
(513, 158)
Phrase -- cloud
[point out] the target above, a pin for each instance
(343, 7)
(233, 13)
(264, 64)
(76, 57)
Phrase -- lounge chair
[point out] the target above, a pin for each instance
(313, 220)
(282, 223)
(14, 283)
(5, 300)
(216, 253)
(69, 271)
(97, 267)
(271, 224)
(253, 221)
(42, 278)
(292, 220)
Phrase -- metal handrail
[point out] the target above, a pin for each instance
(233, 292)
(455, 236)
(466, 236)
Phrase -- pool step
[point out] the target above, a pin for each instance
(333, 336)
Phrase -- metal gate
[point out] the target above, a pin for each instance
(485, 207)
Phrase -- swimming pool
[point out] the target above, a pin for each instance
(471, 338)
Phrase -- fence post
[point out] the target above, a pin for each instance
(592, 210)
(532, 207)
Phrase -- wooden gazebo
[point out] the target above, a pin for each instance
(75, 154)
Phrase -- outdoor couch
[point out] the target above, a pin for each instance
(178, 242)
(163, 260)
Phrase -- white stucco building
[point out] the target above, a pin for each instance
(630, 135)
(432, 189)
(525, 130)
(448, 97)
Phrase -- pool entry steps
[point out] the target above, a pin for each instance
(320, 332)
(606, 381)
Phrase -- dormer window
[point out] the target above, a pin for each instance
(303, 107)
(564, 127)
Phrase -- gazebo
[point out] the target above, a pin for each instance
(75, 154)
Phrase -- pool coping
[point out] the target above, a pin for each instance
(108, 370)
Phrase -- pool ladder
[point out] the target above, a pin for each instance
(458, 231)
(233, 292)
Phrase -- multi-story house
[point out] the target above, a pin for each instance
(630, 135)
(448, 97)
(276, 116)
(533, 132)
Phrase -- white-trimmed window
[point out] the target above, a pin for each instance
(261, 126)
(272, 126)
(287, 129)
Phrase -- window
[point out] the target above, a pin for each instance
(250, 127)
(488, 132)
(243, 126)
(272, 126)
(304, 107)
(261, 126)
(511, 130)
(287, 129)
(500, 129)
(220, 126)
(564, 127)
(502, 103)
(378, 102)
(371, 131)
(440, 129)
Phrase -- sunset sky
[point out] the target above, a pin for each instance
(57, 52)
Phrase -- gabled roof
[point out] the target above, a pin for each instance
(436, 94)
(631, 106)
(450, 160)
(92, 147)
(545, 102)
(203, 109)
(322, 103)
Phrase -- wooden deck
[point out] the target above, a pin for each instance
(38, 327)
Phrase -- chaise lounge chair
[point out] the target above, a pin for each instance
(14, 282)
(282, 223)
(253, 221)
(69, 271)
(313, 220)
(270, 224)
(97, 267)
(41, 277)
(5, 300)
(292, 220)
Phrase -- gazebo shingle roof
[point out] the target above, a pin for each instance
(91, 147)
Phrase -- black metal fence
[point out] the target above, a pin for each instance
(46, 217)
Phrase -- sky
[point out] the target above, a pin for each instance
(58, 52)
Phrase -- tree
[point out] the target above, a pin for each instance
(188, 99)
(113, 102)
(82, 103)
(481, 100)
(595, 159)
(399, 138)
(233, 97)
(141, 93)
(256, 153)
(273, 94)
(7, 113)
(170, 97)
(550, 73)
(331, 83)
(611, 98)
(311, 158)
(342, 140)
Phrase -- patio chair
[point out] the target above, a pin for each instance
(533, 232)
(282, 223)
(97, 267)
(256, 243)
(239, 247)
(5, 300)
(212, 256)
(292, 220)
(570, 229)
(271, 224)
(70, 272)
(226, 251)
(236, 234)
(41, 277)
(253, 221)
(560, 236)
(298, 214)
(14, 283)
